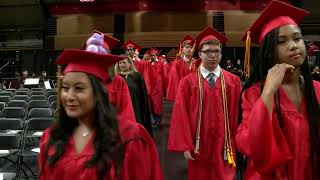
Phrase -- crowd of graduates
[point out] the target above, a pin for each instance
(258, 121)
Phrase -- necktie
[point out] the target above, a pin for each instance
(211, 79)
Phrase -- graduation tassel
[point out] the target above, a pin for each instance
(180, 50)
(247, 55)
(192, 52)
(232, 159)
(228, 156)
(59, 82)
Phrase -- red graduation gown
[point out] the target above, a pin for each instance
(210, 164)
(141, 160)
(178, 70)
(155, 76)
(119, 96)
(138, 64)
(272, 152)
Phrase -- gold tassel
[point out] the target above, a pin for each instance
(180, 50)
(59, 82)
(247, 55)
(192, 52)
(228, 156)
(193, 47)
(232, 159)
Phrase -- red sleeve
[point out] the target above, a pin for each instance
(119, 95)
(141, 159)
(164, 77)
(173, 82)
(42, 160)
(234, 108)
(180, 136)
(147, 74)
(138, 66)
(259, 136)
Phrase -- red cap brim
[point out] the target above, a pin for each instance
(209, 33)
(276, 14)
(88, 62)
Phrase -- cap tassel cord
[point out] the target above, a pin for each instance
(228, 154)
(247, 55)
(192, 52)
(197, 146)
(59, 82)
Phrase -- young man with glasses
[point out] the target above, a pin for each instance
(205, 112)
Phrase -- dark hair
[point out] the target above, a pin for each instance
(107, 142)
(266, 59)
(210, 42)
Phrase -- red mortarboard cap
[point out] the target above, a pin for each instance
(147, 51)
(187, 40)
(209, 33)
(276, 14)
(108, 42)
(132, 44)
(89, 62)
(154, 51)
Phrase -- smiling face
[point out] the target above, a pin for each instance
(77, 95)
(124, 65)
(290, 47)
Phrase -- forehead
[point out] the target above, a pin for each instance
(130, 46)
(289, 30)
(210, 46)
(75, 77)
(123, 60)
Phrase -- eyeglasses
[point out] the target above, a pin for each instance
(130, 49)
(209, 52)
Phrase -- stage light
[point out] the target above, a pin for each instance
(87, 0)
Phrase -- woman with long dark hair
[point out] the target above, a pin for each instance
(280, 114)
(87, 140)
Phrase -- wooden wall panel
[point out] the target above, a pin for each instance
(151, 29)
(71, 41)
(236, 23)
(84, 24)
(171, 21)
(158, 39)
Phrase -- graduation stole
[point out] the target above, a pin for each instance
(227, 148)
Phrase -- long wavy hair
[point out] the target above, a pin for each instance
(107, 142)
(266, 59)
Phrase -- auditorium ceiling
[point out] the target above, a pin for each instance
(31, 15)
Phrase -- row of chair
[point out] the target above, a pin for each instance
(28, 105)
(20, 112)
(10, 93)
(21, 144)
(28, 89)
(24, 117)
(27, 98)
(27, 93)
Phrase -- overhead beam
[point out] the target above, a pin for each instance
(8, 3)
